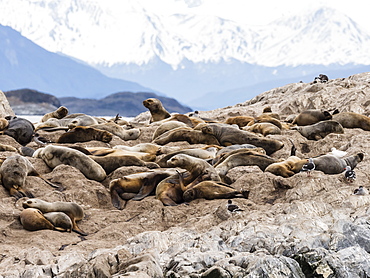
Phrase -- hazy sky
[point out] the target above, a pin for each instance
(258, 12)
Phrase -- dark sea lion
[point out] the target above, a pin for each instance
(135, 186)
(228, 135)
(311, 116)
(319, 130)
(73, 210)
(85, 134)
(186, 134)
(331, 164)
(32, 219)
(13, 172)
(157, 111)
(22, 130)
(353, 120)
(60, 113)
(56, 155)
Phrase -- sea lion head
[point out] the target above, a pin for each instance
(189, 195)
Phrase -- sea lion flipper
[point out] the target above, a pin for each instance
(76, 229)
(116, 201)
(145, 190)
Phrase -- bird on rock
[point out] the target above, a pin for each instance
(360, 191)
(308, 167)
(349, 174)
(233, 208)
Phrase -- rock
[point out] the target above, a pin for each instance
(5, 109)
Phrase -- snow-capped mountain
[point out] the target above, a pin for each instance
(187, 55)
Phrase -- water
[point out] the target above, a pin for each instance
(37, 118)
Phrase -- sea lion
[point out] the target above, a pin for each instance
(136, 186)
(7, 148)
(101, 151)
(124, 134)
(60, 221)
(157, 111)
(3, 123)
(56, 155)
(265, 118)
(169, 191)
(13, 172)
(353, 120)
(319, 130)
(85, 134)
(189, 121)
(241, 121)
(286, 168)
(197, 167)
(60, 113)
(166, 126)
(22, 130)
(111, 163)
(330, 164)
(228, 135)
(245, 158)
(186, 134)
(268, 111)
(68, 122)
(73, 210)
(263, 128)
(311, 116)
(205, 154)
(141, 147)
(32, 219)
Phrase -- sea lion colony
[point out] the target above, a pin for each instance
(174, 175)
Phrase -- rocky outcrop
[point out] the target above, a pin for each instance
(5, 108)
(301, 226)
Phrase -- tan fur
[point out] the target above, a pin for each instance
(239, 120)
(157, 111)
(286, 168)
(3, 123)
(263, 128)
(32, 219)
(85, 134)
(60, 113)
(311, 116)
(353, 120)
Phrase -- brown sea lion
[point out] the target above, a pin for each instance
(101, 151)
(169, 191)
(189, 121)
(265, 118)
(319, 130)
(287, 167)
(3, 123)
(245, 158)
(186, 134)
(353, 120)
(157, 111)
(56, 155)
(73, 210)
(32, 219)
(228, 135)
(263, 128)
(60, 113)
(13, 173)
(166, 126)
(85, 134)
(7, 148)
(268, 111)
(239, 120)
(136, 186)
(311, 116)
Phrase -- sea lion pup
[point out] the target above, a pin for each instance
(211, 190)
(157, 111)
(32, 219)
(136, 186)
(198, 168)
(286, 168)
(186, 134)
(60, 113)
(3, 123)
(228, 135)
(22, 130)
(141, 147)
(205, 154)
(241, 121)
(353, 120)
(73, 210)
(101, 151)
(13, 172)
(56, 155)
(330, 164)
(311, 116)
(60, 221)
(263, 128)
(245, 158)
(319, 130)
(124, 134)
(85, 134)
(166, 126)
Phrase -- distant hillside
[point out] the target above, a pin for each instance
(32, 102)
(125, 103)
